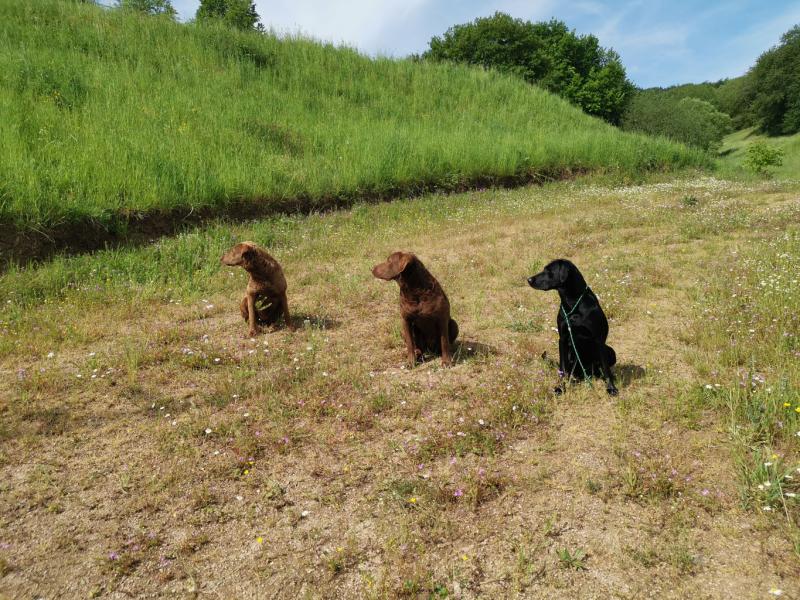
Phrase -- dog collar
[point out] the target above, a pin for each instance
(574, 306)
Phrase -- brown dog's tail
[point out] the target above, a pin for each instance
(453, 330)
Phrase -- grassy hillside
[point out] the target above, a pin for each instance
(150, 448)
(734, 151)
(107, 114)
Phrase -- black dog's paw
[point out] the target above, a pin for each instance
(612, 391)
(558, 390)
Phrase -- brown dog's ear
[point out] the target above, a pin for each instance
(394, 265)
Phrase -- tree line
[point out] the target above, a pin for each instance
(767, 97)
(577, 68)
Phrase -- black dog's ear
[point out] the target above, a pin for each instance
(556, 272)
(561, 272)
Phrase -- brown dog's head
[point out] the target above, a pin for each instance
(394, 265)
(241, 255)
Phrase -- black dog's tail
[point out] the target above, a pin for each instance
(611, 356)
(453, 330)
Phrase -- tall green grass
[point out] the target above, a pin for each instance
(754, 306)
(108, 114)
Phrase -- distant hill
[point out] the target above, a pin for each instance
(110, 116)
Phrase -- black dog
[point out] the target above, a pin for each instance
(582, 324)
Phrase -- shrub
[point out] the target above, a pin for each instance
(150, 7)
(761, 156)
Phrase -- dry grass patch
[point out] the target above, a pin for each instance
(143, 429)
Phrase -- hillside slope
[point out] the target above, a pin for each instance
(108, 115)
(734, 152)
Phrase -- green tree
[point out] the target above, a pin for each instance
(150, 7)
(240, 14)
(547, 54)
(774, 90)
(734, 97)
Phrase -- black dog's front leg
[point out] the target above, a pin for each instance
(563, 363)
(605, 370)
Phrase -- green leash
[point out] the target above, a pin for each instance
(569, 329)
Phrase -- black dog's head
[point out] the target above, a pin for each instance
(560, 274)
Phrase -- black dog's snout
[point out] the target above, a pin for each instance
(531, 281)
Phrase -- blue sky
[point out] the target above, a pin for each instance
(661, 42)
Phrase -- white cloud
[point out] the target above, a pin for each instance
(394, 27)
(360, 23)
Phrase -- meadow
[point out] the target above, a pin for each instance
(149, 447)
(113, 122)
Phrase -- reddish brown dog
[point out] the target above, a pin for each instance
(424, 307)
(265, 299)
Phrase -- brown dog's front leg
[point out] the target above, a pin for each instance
(447, 360)
(286, 317)
(409, 340)
(252, 317)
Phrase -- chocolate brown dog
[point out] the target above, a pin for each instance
(265, 299)
(424, 307)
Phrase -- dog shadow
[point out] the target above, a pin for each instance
(308, 321)
(627, 373)
(466, 350)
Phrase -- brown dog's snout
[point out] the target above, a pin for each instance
(237, 255)
(380, 271)
(395, 264)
